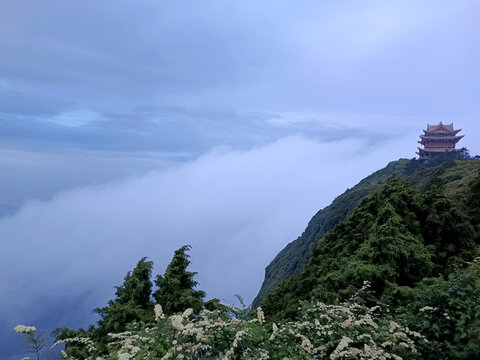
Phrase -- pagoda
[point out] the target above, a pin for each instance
(438, 139)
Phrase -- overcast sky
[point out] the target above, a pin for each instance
(131, 128)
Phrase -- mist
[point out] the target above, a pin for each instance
(61, 258)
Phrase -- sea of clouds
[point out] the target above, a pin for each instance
(62, 258)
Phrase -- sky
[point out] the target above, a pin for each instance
(129, 129)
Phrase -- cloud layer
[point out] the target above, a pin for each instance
(405, 57)
(236, 208)
(87, 80)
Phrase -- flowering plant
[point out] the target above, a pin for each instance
(347, 330)
(34, 343)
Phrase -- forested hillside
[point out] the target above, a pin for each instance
(294, 256)
(412, 245)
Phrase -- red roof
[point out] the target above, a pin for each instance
(447, 137)
(440, 128)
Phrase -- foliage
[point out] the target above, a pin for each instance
(445, 226)
(348, 330)
(133, 303)
(293, 257)
(437, 159)
(472, 204)
(447, 312)
(442, 321)
(394, 238)
(176, 287)
(452, 178)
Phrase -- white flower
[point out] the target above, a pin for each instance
(260, 315)
(187, 313)
(274, 327)
(393, 325)
(274, 331)
(24, 329)
(158, 312)
(306, 344)
(340, 347)
(124, 356)
(427, 308)
(177, 322)
(346, 323)
(167, 356)
(238, 337)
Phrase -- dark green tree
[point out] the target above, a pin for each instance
(473, 205)
(132, 302)
(447, 228)
(137, 286)
(176, 291)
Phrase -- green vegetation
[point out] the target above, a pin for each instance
(413, 246)
(450, 176)
(133, 304)
(176, 288)
(33, 343)
(348, 330)
(442, 321)
(447, 312)
(394, 239)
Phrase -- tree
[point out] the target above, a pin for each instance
(446, 227)
(176, 288)
(465, 154)
(132, 302)
(137, 287)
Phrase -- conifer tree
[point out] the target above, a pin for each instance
(446, 227)
(137, 286)
(132, 302)
(176, 287)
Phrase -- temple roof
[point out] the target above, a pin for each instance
(442, 137)
(437, 150)
(441, 128)
(436, 133)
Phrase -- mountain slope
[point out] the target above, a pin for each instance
(394, 238)
(294, 256)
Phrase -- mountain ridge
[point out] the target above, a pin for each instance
(290, 260)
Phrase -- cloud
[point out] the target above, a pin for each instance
(75, 118)
(83, 148)
(272, 56)
(236, 208)
(39, 175)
